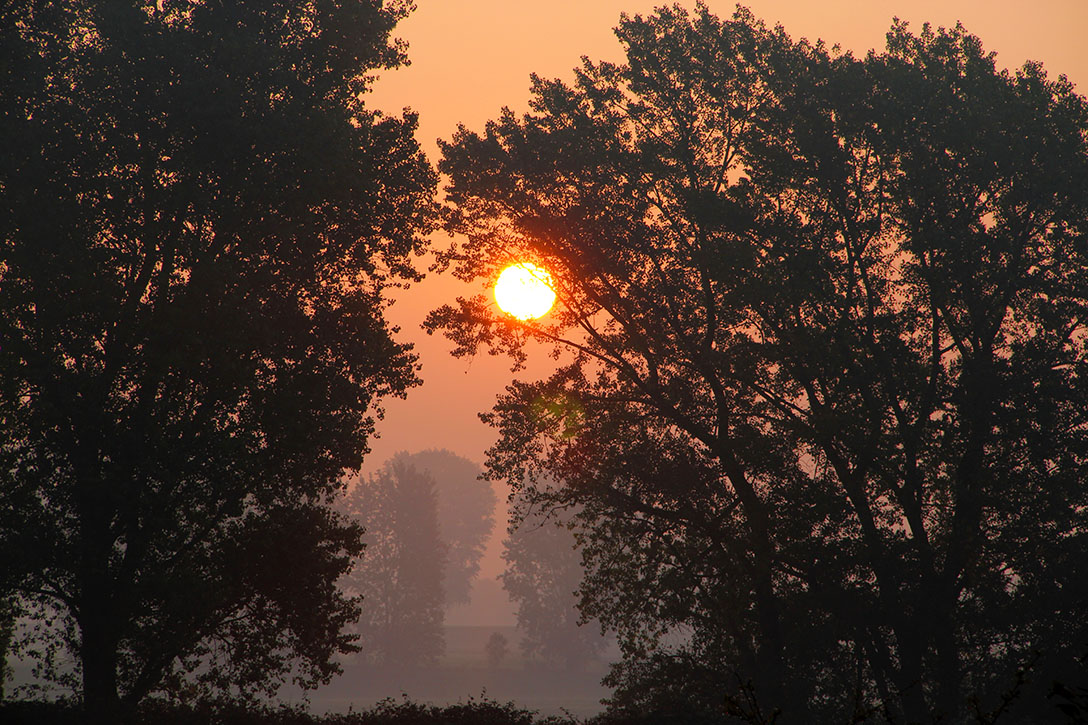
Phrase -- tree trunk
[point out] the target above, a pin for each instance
(950, 695)
(97, 615)
(910, 644)
(7, 624)
(770, 655)
(771, 664)
(98, 654)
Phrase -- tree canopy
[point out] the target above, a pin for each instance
(199, 218)
(542, 576)
(466, 507)
(827, 405)
(401, 579)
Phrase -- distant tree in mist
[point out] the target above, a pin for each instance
(199, 222)
(827, 321)
(496, 649)
(466, 508)
(400, 575)
(542, 577)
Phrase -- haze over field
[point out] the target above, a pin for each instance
(787, 422)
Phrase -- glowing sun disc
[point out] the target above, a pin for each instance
(524, 291)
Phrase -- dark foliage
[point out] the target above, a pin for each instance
(542, 576)
(198, 221)
(388, 712)
(825, 427)
(8, 616)
(1069, 692)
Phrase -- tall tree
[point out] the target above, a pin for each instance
(466, 506)
(400, 579)
(542, 577)
(198, 220)
(828, 323)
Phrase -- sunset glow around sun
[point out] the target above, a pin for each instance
(524, 291)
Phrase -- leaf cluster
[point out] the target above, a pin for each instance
(825, 319)
(200, 218)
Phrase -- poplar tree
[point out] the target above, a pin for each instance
(466, 507)
(826, 324)
(401, 578)
(199, 220)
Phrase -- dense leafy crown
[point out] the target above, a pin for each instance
(826, 404)
(198, 219)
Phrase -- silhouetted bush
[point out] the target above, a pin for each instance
(45, 713)
(387, 712)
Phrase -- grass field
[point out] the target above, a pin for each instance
(463, 673)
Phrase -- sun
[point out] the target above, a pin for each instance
(524, 291)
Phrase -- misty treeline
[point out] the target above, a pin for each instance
(403, 574)
(819, 431)
(822, 422)
(427, 518)
(542, 576)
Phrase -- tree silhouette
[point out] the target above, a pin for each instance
(7, 625)
(827, 318)
(542, 577)
(466, 508)
(400, 576)
(496, 649)
(199, 219)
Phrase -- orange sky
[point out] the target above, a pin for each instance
(471, 57)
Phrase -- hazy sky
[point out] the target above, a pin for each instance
(469, 58)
